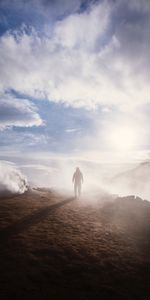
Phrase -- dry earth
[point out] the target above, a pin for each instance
(56, 247)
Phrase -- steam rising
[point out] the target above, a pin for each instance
(135, 181)
(56, 173)
(12, 180)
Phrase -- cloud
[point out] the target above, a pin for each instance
(16, 141)
(11, 179)
(71, 130)
(38, 13)
(98, 56)
(17, 112)
(82, 61)
(72, 31)
(50, 68)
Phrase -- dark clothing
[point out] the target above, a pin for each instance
(77, 180)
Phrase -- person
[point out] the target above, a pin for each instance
(77, 179)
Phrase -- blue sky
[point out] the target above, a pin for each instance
(74, 78)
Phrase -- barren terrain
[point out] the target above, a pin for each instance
(57, 247)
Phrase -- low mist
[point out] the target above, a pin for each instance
(56, 173)
(119, 179)
(135, 181)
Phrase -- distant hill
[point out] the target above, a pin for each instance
(135, 181)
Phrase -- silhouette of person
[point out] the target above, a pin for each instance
(77, 179)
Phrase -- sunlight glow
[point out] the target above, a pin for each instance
(124, 138)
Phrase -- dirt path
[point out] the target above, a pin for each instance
(32, 219)
(55, 247)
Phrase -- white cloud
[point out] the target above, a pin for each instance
(17, 112)
(71, 130)
(49, 67)
(83, 30)
(74, 64)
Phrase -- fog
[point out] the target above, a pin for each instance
(135, 181)
(12, 181)
(58, 174)
(99, 178)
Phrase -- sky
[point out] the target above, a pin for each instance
(74, 80)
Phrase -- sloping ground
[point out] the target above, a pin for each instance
(56, 247)
(135, 181)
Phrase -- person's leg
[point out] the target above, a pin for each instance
(79, 189)
(75, 190)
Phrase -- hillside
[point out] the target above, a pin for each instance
(135, 181)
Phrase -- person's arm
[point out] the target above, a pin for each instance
(73, 178)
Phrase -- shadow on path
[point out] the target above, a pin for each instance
(30, 220)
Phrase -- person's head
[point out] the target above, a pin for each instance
(77, 169)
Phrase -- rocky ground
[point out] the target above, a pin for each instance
(55, 247)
